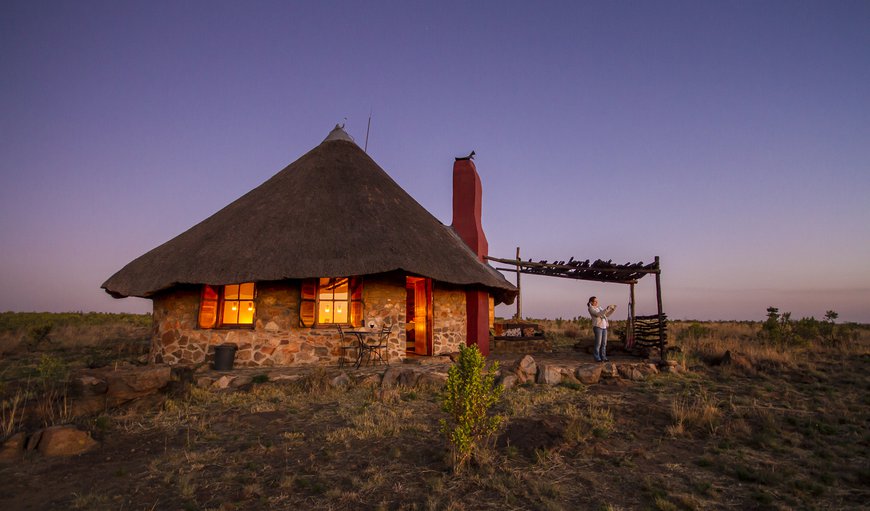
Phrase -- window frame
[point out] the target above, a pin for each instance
(220, 301)
(311, 301)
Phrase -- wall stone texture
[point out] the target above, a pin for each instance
(278, 339)
(450, 324)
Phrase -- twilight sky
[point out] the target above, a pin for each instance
(732, 139)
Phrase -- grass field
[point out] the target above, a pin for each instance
(785, 428)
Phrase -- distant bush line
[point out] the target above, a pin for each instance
(18, 321)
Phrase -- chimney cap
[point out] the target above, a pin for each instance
(469, 157)
(338, 133)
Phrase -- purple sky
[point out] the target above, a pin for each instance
(730, 138)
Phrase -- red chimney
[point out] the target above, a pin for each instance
(467, 193)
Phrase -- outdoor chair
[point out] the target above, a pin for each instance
(345, 345)
(372, 352)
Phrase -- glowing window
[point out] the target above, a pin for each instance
(333, 301)
(228, 305)
(238, 304)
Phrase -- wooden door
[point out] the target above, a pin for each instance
(419, 313)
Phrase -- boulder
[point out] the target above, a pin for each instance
(369, 380)
(647, 369)
(508, 380)
(408, 378)
(551, 374)
(589, 374)
(86, 385)
(147, 403)
(87, 405)
(636, 372)
(223, 382)
(391, 377)
(340, 381)
(671, 366)
(241, 380)
(13, 447)
(432, 379)
(288, 378)
(33, 441)
(64, 441)
(526, 369)
(130, 383)
(204, 382)
(609, 370)
(627, 372)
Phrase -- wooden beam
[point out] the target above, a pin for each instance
(530, 264)
(610, 280)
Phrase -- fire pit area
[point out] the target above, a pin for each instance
(519, 337)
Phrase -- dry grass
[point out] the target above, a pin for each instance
(789, 433)
(698, 413)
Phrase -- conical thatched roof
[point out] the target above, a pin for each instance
(332, 213)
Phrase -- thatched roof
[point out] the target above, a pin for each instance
(333, 212)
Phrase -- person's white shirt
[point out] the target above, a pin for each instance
(599, 315)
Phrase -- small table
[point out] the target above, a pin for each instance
(364, 349)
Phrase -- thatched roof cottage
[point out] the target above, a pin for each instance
(330, 240)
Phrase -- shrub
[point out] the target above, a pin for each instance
(37, 335)
(695, 331)
(52, 370)
(467, 397)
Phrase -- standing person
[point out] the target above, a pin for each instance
(599, 327)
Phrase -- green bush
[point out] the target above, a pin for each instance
(52, 370)
(467, 397)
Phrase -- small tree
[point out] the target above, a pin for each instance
(771, 325)
(467, 397)
(830, 318)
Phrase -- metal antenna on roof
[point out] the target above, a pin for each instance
(368, 128)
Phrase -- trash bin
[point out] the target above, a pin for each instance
(224, 355)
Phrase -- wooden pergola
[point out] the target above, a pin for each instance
(601, 271)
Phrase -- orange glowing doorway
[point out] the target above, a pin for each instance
(418, 326)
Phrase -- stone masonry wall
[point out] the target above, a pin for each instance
(450, 321)
(277, 338)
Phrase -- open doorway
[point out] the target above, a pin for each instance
(418, 325)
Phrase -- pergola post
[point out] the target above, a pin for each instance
(519, 291)
(659, 303)
(631, 311)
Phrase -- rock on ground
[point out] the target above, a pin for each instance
(65, 441)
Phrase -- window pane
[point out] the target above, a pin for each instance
(325, 289)
(340, 312)
(324, 314)
(341, 289)
(246, 291)
(246, 313)
(231, 292)
(231, 313)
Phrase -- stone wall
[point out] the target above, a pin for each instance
(277, 337)
(450, 329)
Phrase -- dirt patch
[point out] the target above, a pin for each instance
(531, 435)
